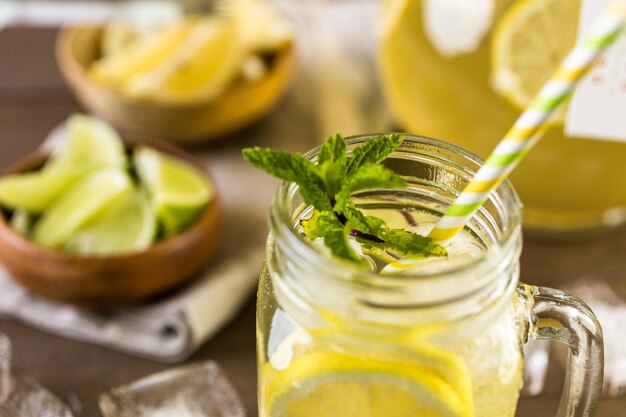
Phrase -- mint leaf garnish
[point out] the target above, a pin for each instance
(333, 163)
(292, 167)
(356, 220)
(364, 178)
(333, 150)
(336, 236)
(374, 151)
(325, 224)
(409, 243)
(329, 186)
(401, 242)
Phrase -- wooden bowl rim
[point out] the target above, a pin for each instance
(76, 73)
(37, 157)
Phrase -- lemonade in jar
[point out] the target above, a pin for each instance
(364, 334)
(463, 70)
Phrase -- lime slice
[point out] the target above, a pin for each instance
(126, 225)
(140, 56)
(90, 144)
(83, 201)
(528, 45)
(179, 191)
(201, 67)
(33, 191)
(21, 222)
(344, 381)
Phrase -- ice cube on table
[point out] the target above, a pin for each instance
(30, 399)
(23, 397)
(199, 390)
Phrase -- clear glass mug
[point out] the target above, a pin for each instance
(442, 78)
(332, 337)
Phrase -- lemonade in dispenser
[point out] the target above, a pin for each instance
(463, 70)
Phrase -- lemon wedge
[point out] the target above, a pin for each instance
(347, 381)
(140, 56)
(261, 26)
(118, 36)
(528, 45)
(202, 66)
(178, 190)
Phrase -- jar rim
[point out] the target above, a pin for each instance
(509, 241)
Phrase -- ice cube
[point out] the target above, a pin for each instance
(23, 397)
(199, 390)
(30, 399)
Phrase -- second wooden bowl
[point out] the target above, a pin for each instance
(105, 281)
(244, 103)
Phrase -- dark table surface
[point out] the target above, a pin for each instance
(33, 99)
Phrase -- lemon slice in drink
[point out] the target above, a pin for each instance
(179, 191)
(200, 68)
(83, 201)
(342, 381)
(140, 56)
(528, 45)
(126, 224)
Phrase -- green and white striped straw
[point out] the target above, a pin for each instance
(527, 130)
(532, 123)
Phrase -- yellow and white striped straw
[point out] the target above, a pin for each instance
(532, 123)
(527, 130)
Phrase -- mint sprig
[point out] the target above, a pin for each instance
(292, 167)
(329, 185)
(364, 178)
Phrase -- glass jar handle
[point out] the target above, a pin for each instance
(560, 317)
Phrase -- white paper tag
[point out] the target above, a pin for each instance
(598, 108)
(456, 27)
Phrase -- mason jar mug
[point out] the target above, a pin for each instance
(442, 338)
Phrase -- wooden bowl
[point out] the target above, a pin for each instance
(244, 103)
(105, 281)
